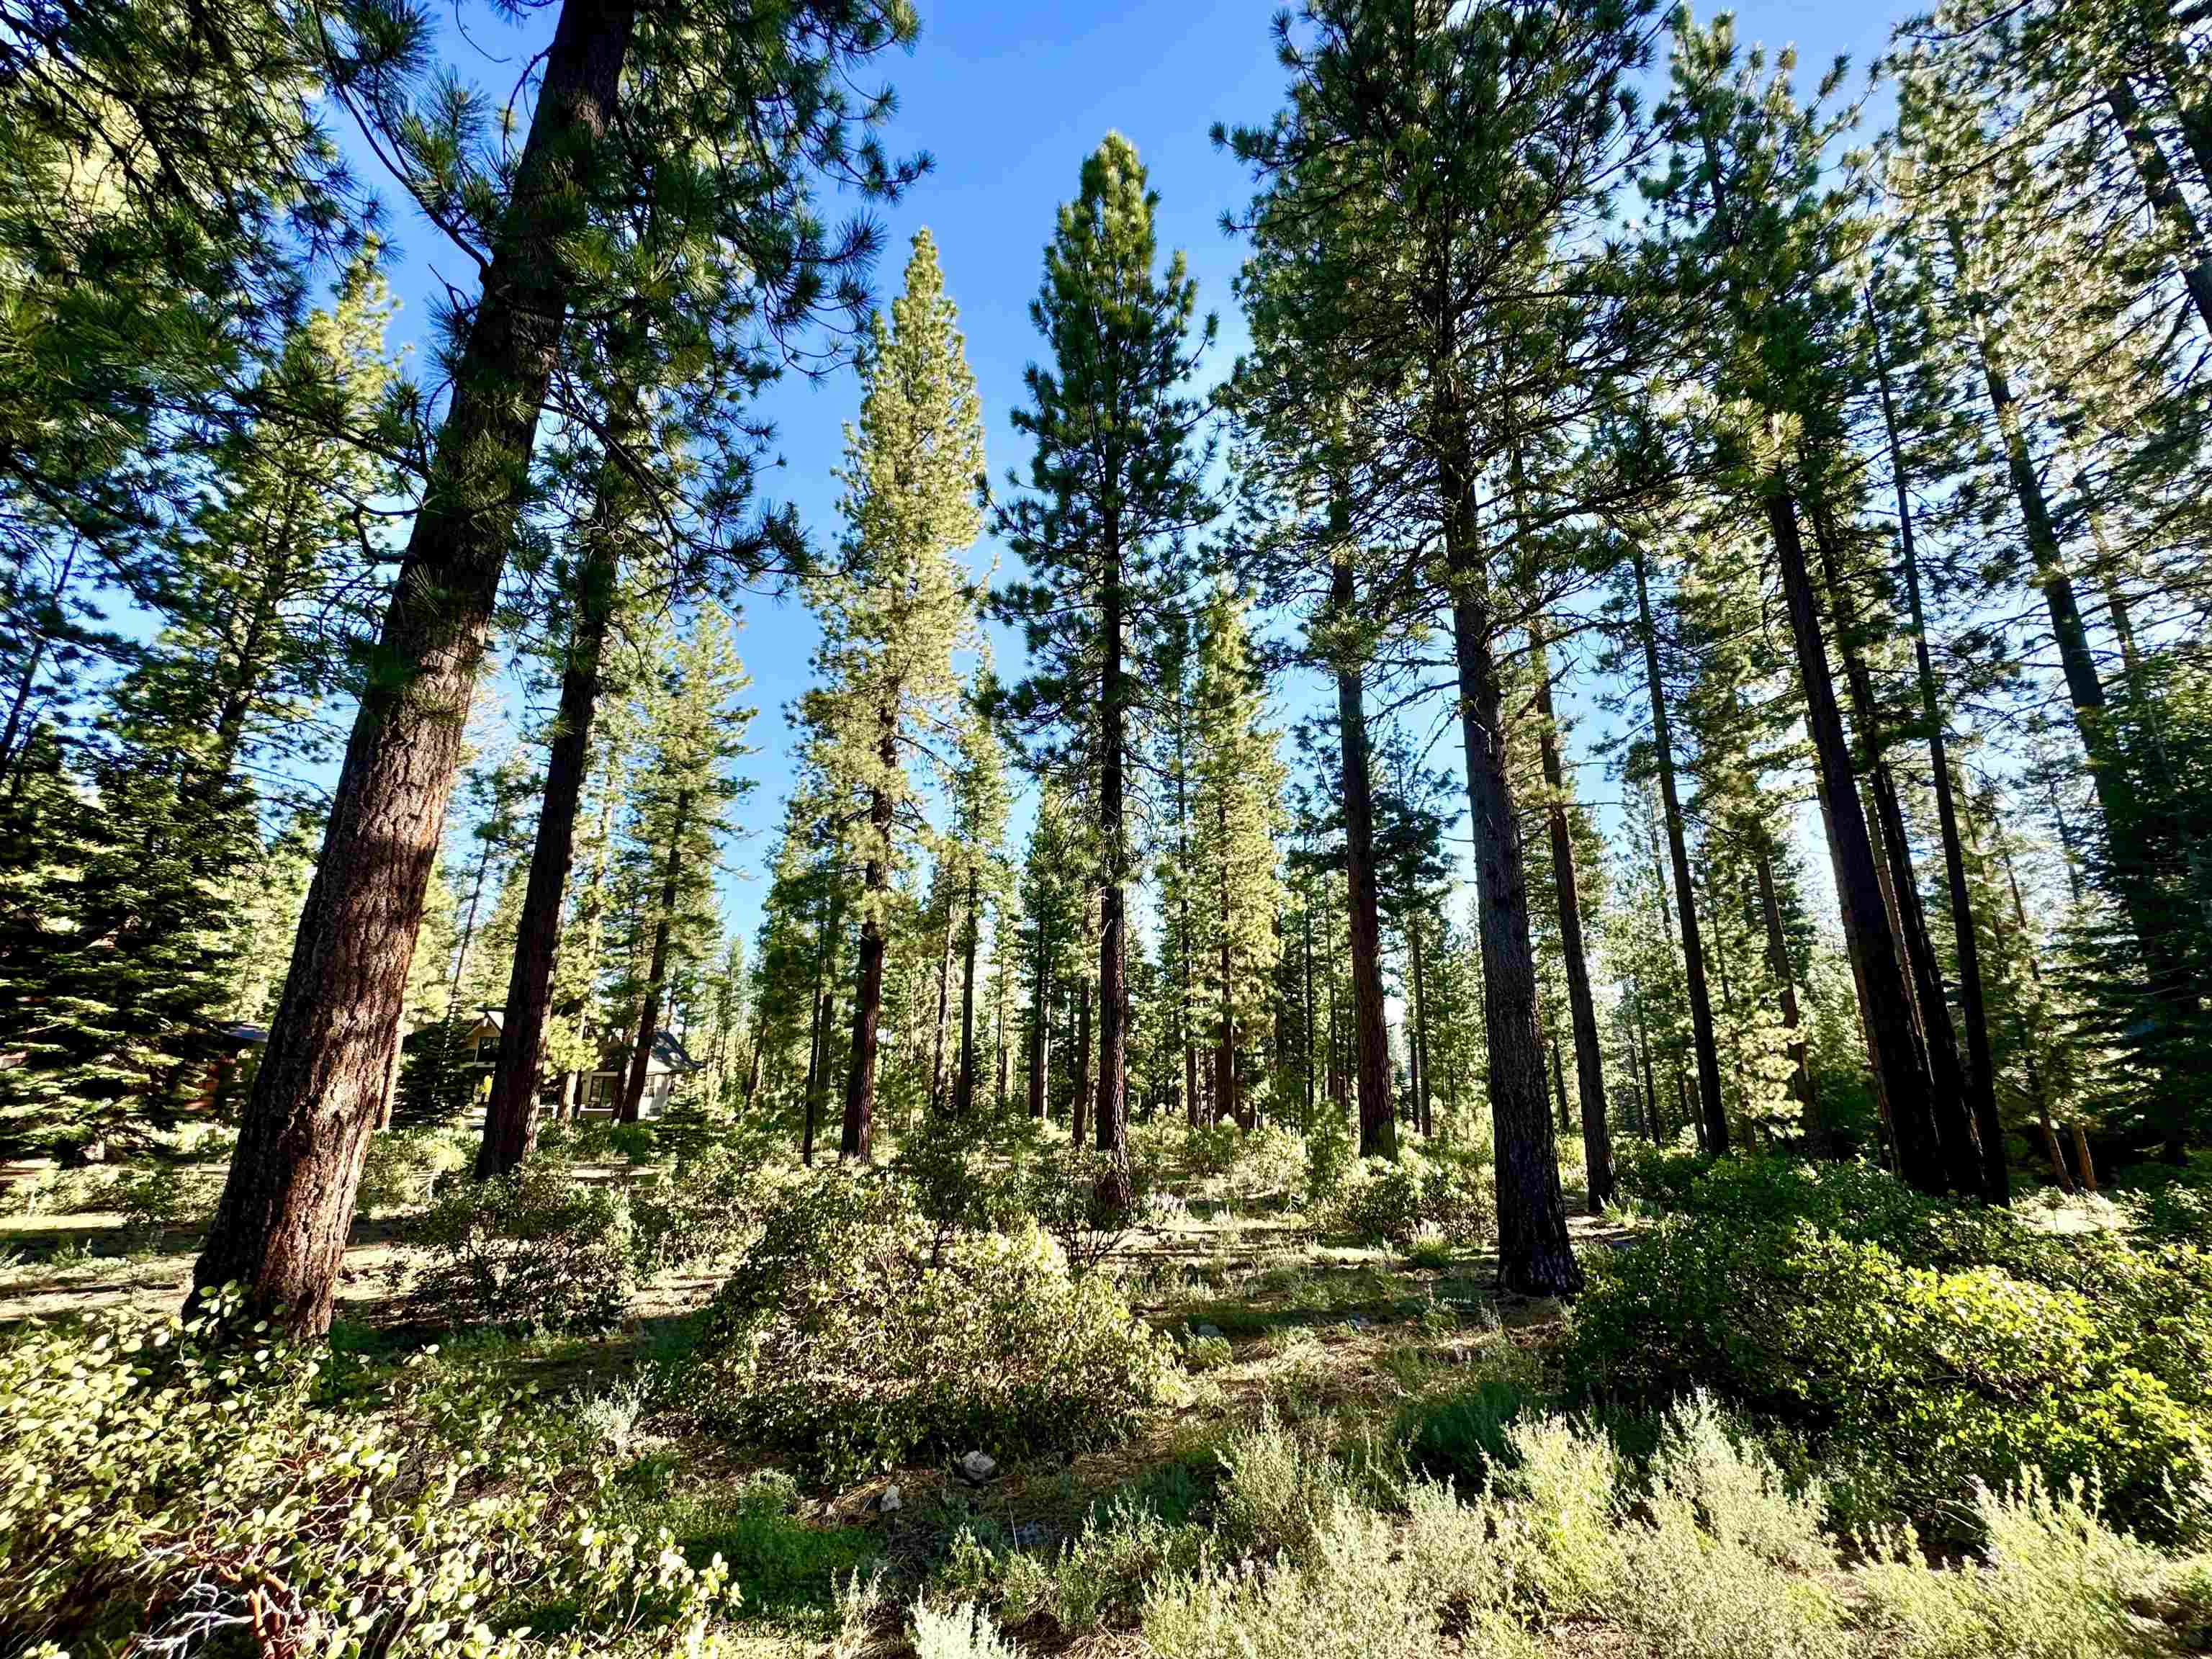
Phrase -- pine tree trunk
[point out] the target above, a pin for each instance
(1079, 1109)
(1939, 1044)
(856, 1137)
(998, 1019)
(1535, 1256)
(511, 1114)
(2082, 1155)
(656, 973)
(1039, 1019)
(1886, 1005)
(1981, 1073)
(1379, 1126)
(817, 1037)
(2131, 824)
(1643, 1053)
(1419, 1047)
(1113, 985)
(1306, 1029)
(943, 1010)
(1582, 1005)
(280, 1229)
(1713, 1119)
(964, 1093)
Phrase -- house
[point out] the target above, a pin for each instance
(665, 1067)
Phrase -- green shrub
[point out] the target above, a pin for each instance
(1918, 1380)
(1088, 1202)
(160, 1197)
(2053, 1581)
(156, 1482)
(1207, 1353)
(1463, 1434)
(406, 1167)
(1660, 1176)
(962, 1632)
(532, 1247)
(1386, 1202)
(837, 1340)
(1352, 1596)
(706, 1210)
(1330, 1154)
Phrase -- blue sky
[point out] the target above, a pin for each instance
(1009, 101)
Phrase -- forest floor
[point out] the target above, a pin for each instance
(1381, 1361)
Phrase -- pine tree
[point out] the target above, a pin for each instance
(676, 817)
(1440, 327)
(695, 77)
(887, 708)
(1236, 809)
(1115, 484)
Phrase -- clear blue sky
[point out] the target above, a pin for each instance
(1009, 101)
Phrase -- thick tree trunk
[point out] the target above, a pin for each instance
(1582, 1005)
(280, 1229)
(656, 973)
(1940, 1043)
(1378, 1127)
(1885, 1003)
(1713, 1118)
(511, 1114)
(1535, 1255)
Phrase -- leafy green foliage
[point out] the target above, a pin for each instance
(1390, 1201)
(532, 1246)
(163, 1478)
(1921, 1347)
(837, 1339)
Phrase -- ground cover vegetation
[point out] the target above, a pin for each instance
(1523, 971)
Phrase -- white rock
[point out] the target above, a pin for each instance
(1202, 1332)
(890, 1501)
(977, 1467)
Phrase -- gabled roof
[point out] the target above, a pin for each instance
(671, 1053)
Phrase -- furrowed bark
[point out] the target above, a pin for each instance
(280, 1229)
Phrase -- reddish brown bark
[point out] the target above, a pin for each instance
(280, 1229)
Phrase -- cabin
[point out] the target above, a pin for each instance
(665, 1069)
(594, 1094)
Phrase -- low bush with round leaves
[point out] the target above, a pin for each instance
(1395, 1202)
(533, 1246)
(1912, 1382)
(840, 1341)
(201, 1487)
